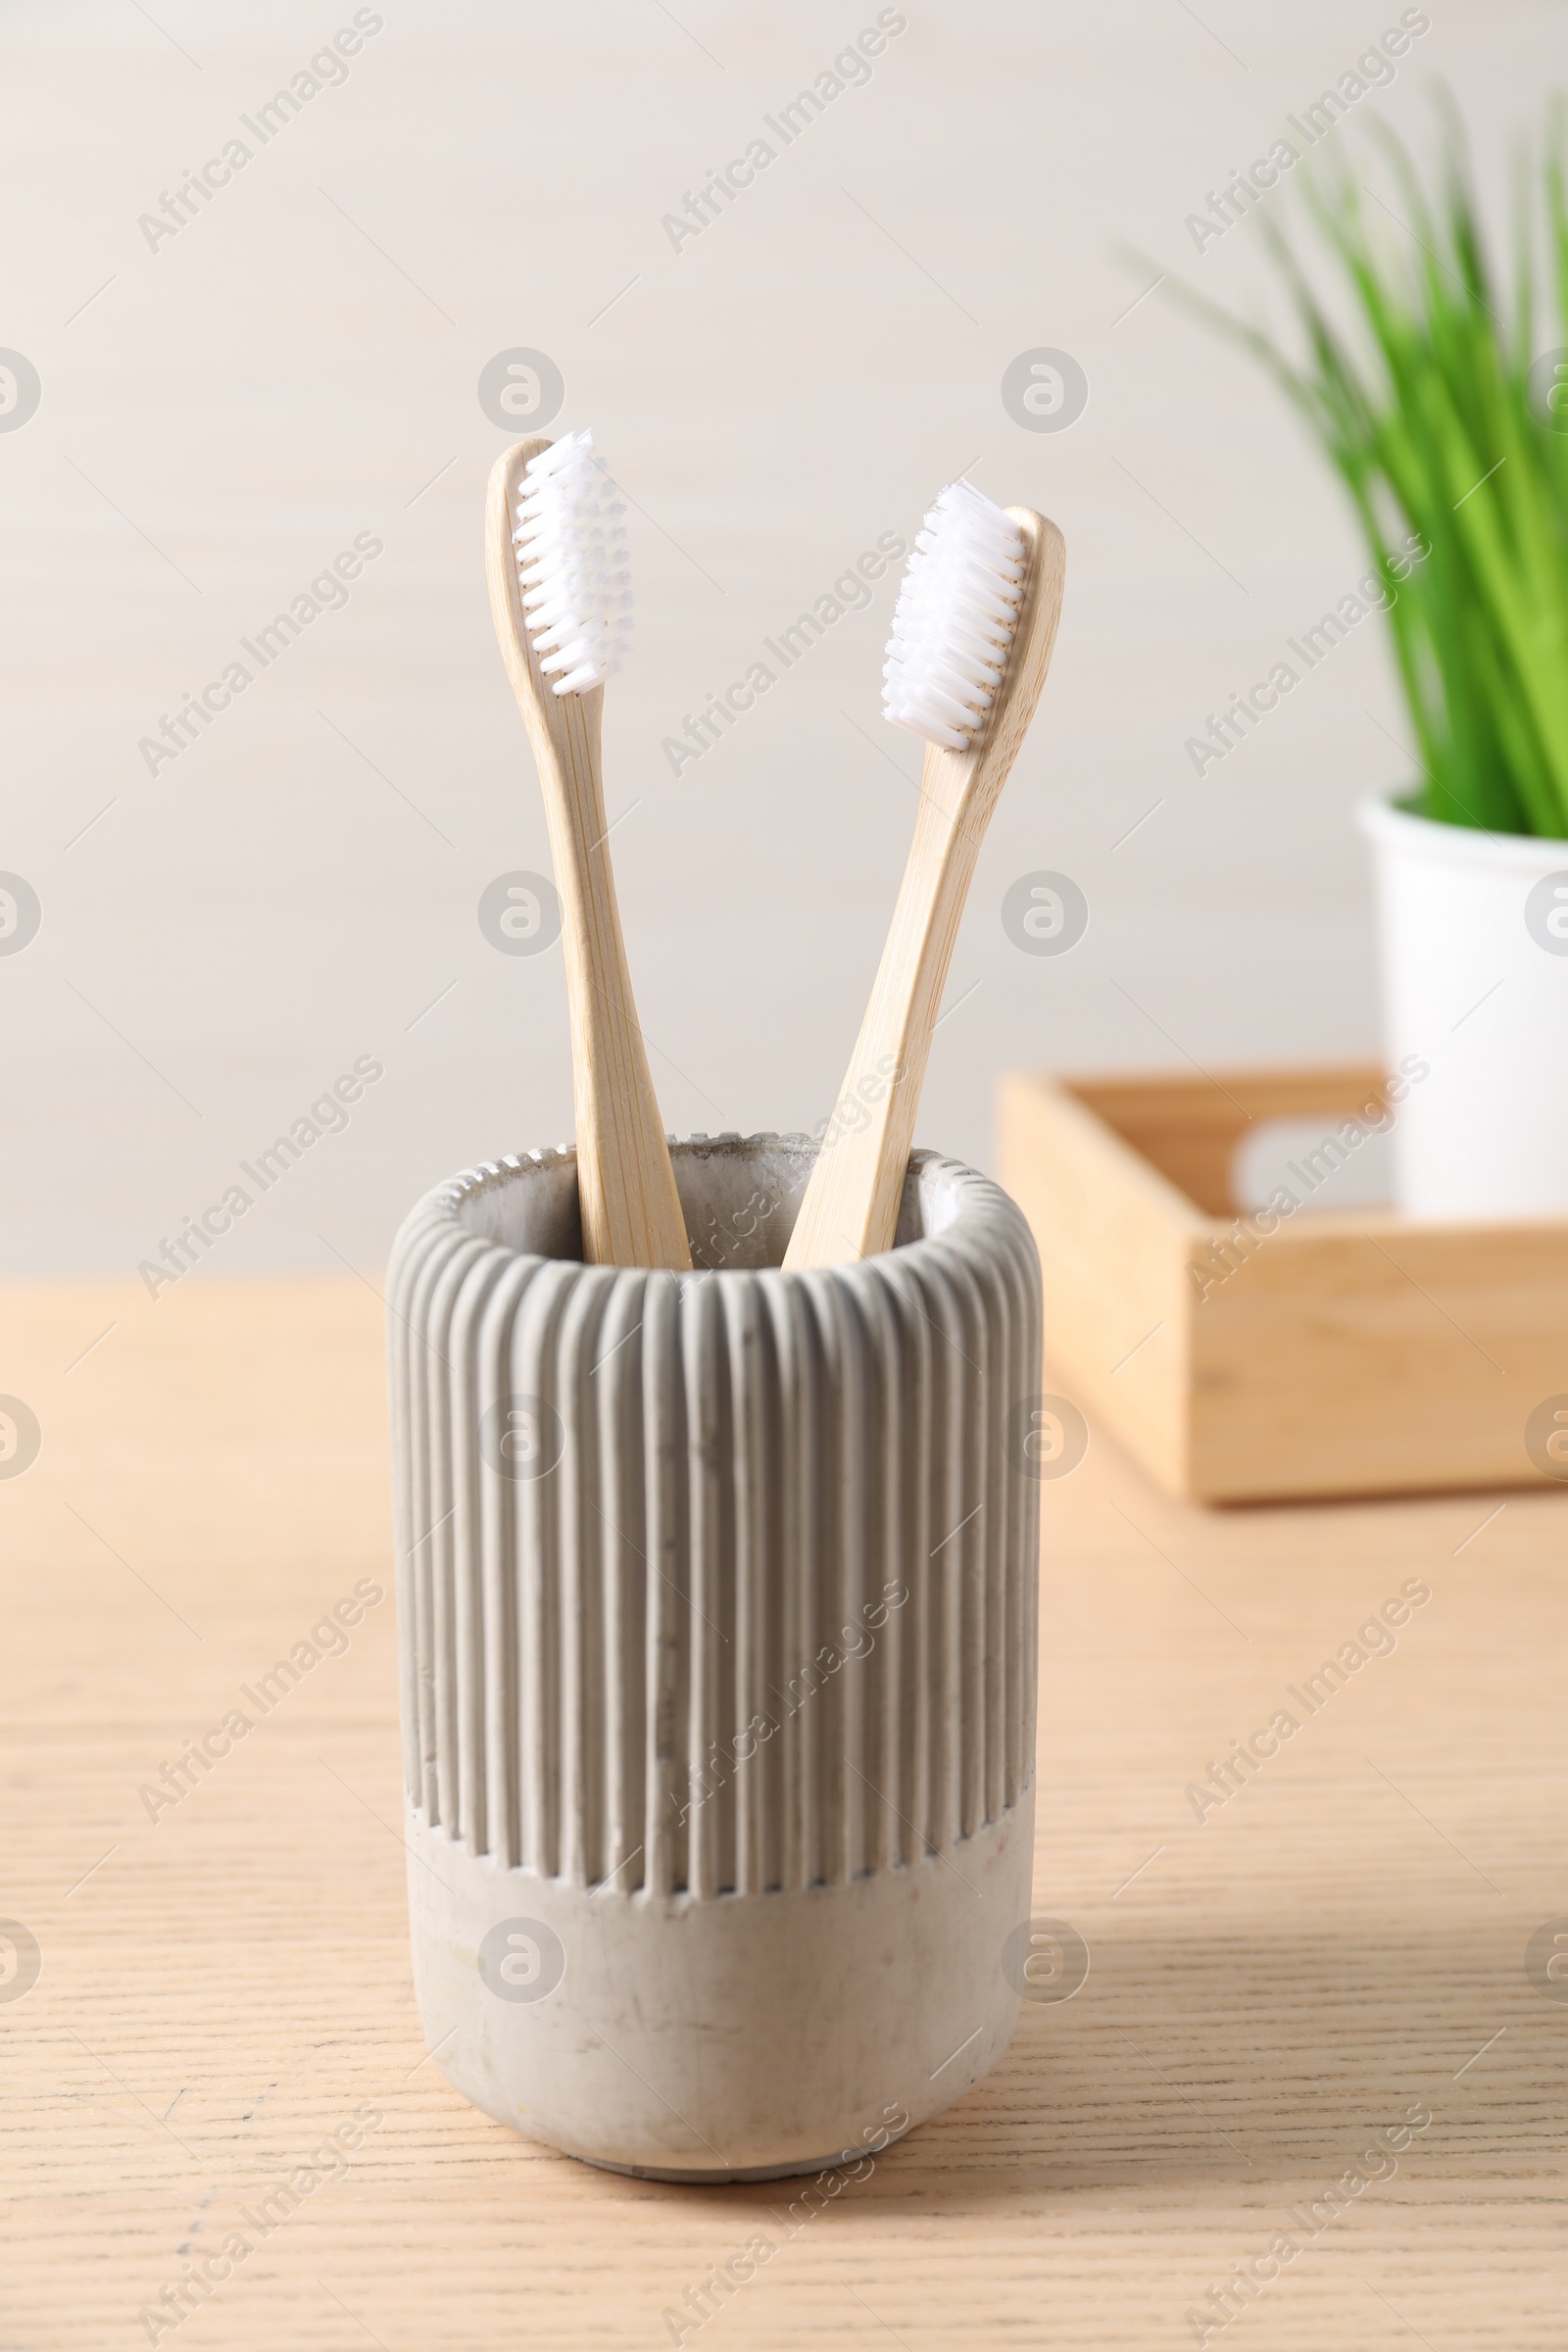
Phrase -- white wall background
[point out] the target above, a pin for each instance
(221, 414)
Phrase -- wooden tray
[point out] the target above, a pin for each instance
(1343, 1352)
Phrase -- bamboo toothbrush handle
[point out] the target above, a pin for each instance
(851, 1209)
(632, 1211)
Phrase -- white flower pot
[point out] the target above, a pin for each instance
(717, 1623)
(1473, 945)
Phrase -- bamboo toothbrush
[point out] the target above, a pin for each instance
(560, 597)
(972, 633)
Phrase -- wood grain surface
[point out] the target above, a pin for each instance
(1335, 1948)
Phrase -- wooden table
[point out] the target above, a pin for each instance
(1336, 1946)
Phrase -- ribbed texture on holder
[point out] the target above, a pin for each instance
(757, 1608)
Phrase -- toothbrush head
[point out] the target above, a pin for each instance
(571, 564)
(958, 605)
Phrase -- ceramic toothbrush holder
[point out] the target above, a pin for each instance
(717, 1643)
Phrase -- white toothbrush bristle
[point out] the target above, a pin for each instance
(958, 607)
(571, 562)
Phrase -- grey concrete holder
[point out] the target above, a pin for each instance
(717, 1641)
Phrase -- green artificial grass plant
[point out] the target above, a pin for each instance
(1447, 419)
